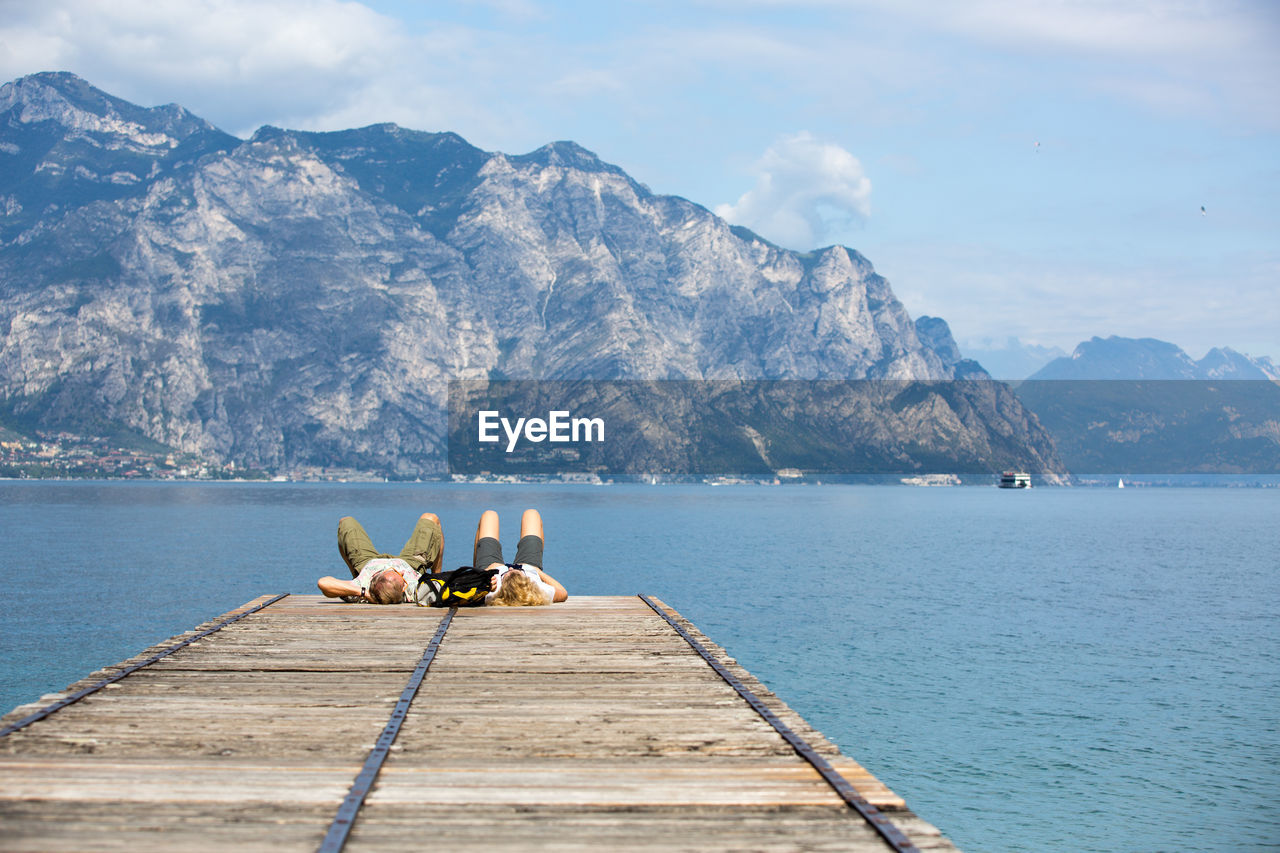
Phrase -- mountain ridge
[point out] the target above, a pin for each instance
(1117, 357)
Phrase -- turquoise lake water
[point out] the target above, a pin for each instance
(1045, 670)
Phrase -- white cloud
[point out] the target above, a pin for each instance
(1189, 58)
(588, 82)
(195, 39)
(807, 192)
(1180, 57)
(1124, 26)
(307, 64)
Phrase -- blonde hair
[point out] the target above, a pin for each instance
(384, 589)
(519, 590)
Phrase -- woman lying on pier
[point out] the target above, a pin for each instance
(385, 579)
(522, 582)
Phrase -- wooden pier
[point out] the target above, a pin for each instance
(589, 725)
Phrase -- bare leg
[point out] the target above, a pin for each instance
(531, 524)
(487, 529)
(529, 548)
(488, 526)
(529, 551)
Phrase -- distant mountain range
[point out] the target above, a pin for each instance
(1147, 358)
(303, 299)
(1142, 406)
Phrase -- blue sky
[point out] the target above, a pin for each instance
(1024, 168)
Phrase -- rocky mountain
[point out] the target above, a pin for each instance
(1148, 358)
(304, 298)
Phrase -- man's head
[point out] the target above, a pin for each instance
(519, 590)
(387, 587)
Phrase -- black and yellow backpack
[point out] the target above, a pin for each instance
(465, 586)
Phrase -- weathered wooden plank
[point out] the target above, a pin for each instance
(607, 783)
(577, 828)
(208, 780)
(33, 826)
(584, 782)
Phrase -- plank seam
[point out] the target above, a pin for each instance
(872, 815)
(339, 830)
(163, 653)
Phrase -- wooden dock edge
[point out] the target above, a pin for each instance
(866, 784)
(96, 677)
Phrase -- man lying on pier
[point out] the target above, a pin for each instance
(381, 578)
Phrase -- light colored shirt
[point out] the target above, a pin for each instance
(548, 591)
(381, 564)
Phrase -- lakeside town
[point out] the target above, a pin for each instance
(68, 455)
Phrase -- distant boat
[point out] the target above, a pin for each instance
(1015, 480)
(1120, 485)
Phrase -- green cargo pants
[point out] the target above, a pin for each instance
(421, 551)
